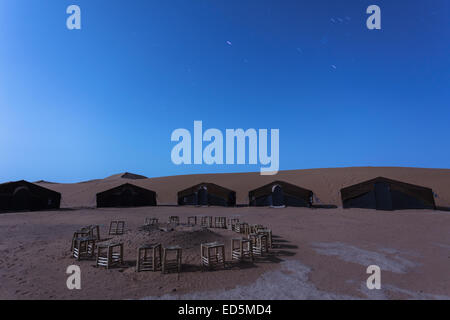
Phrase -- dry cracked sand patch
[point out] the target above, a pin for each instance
(291, 281)
(388, 259)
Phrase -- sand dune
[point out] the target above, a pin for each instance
(325, 183)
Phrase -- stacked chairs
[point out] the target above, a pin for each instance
(151, 221)
(268, 234)
(213, 255)
(241, 249)
(83, 241)
(116, 228)
(259, 243)
(206, 222)
(243, 228)
(149, 258)
(155, 257)
(254, 228)
(83, 233)
(83, 247)
(92, 230)
(171, 261)
(109, 255)
(174, 220)
(232, 224)
(192, 221)
(220, 222)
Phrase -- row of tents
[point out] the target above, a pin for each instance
(379, 193)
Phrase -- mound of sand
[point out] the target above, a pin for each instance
(188, 237)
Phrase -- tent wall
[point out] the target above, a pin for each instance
(386, 194)
(364, 201)
(25, 196)
(292, 201)
(207, 194)
(126, 195)
(383, 196)
(279, 193)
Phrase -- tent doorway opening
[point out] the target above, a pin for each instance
(22, 198)
(383, 196)
(126, 198)
(202, 196)
(277, 197)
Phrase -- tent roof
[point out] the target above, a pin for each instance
(211, 187)
(366, 186)
(7, 189)
(288, 188)
(123, 186)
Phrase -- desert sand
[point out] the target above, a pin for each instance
(317, 254)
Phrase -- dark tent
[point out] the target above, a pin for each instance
(280, 194)
(26, 196)
(207, 194)
(386, 194)
(126, 195)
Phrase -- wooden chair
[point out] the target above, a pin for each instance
(116, 228)
(79, 234)
(171, 261)
(94, 231)
(232, 223)
(149, 258)
(254, 228)
(213, 255)
(109, 255)
(206, 222)
(220, 222)
(241, 248)
(268, 233)
(150, 221)
(174, 220)
(243, 228)
(259, 243)
(192, 221)
(83, 247)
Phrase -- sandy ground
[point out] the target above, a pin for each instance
(318, 254)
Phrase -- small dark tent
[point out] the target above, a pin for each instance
(386, 194)
(26, 196)
(207, 194)
(126, 195)
(279, 194)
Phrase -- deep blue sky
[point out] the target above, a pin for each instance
(78, 105)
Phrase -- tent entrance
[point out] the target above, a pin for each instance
(202, 197)
(126, 198)
(22, 199)
(277, 196)
(383, 196)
